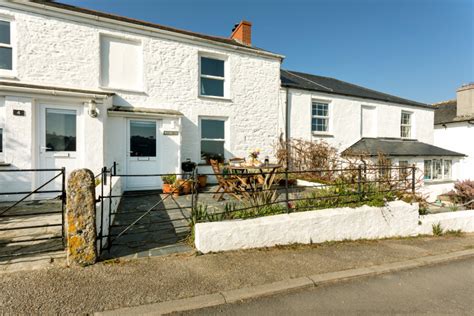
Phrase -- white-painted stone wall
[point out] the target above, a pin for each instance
(398, 219)
(56, 51)
(345, 118)
(458, 137)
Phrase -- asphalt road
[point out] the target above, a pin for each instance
(446, 289)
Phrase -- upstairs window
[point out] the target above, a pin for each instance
(319, 117)
(212, 77)
(405, 126)
(6, 47)
(438, 169)
(121, 64)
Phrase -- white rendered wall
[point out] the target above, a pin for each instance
(345, 119)
(56, 52)
(458, 137)
(398, 219)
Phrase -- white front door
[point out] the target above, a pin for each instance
(58, 140)
(142, 154)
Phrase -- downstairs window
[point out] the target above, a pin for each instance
(437, 169)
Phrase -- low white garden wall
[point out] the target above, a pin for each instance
(459, 220)
(397, 219)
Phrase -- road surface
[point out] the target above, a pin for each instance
(445, 289)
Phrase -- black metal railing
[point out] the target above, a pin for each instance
(249, 195)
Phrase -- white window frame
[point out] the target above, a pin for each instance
(10, 73)
(327, 117)
(409, 125)
(225, 79)
(132, 40)
(226, 134)
(444, 176)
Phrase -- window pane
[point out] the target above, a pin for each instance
(427, 170)
(319, 124)
(1, 140)
(211, 149)
(212, 67)
(406, 118)
(60, 130)
(437, 169)
(6, 58)
(320, 109)
(447, 169)
(212, 87)
(5, 32)
(405, 131)
(213, 129)
(142, 139)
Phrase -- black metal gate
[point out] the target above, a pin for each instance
(31, 221)
(129, 223)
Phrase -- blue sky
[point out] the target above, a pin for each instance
(417, 49)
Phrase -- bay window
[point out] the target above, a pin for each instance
(437, 169)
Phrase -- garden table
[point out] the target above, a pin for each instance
(266, 171)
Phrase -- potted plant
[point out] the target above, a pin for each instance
(169, 184)
(185, 185)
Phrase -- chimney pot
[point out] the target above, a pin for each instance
(242, 33)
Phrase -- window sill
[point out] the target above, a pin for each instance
(442, 181)
(210, 97)
(114, 89)
(322, 134)
(9, 75)
(5, 164)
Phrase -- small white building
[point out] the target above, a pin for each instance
(454, 129)
(355, 119)
(81, 88)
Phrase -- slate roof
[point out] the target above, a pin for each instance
(304, 81)
(95, 13)
(396, 147)
(445, 112)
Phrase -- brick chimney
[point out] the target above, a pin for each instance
(242, 33)
(465, 100)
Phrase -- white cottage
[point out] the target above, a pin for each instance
(454, 129)
(81, 88)
(356, 119)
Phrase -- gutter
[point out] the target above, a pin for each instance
(40, 8)
(54, 92)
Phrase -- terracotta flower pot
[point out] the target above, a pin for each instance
(202, 180)
(170, 188)
(185, 186)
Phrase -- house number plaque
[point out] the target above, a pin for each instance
(171, 133)
(19, 112)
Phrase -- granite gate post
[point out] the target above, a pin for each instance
(80, 219)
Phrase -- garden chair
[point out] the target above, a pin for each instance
(226, 184)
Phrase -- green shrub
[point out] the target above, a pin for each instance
(437, 229)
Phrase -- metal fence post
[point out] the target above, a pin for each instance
(359, 180)
(287, 195)
(101, 199)
(63, 203)
(413, 171)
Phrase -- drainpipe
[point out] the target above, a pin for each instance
(287, 127)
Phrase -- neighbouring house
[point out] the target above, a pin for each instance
(454, 130)
(81, 88)
(357, 120)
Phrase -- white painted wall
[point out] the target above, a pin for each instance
(345, 119)
(458, 137)
(57, 52)
(398, 219)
